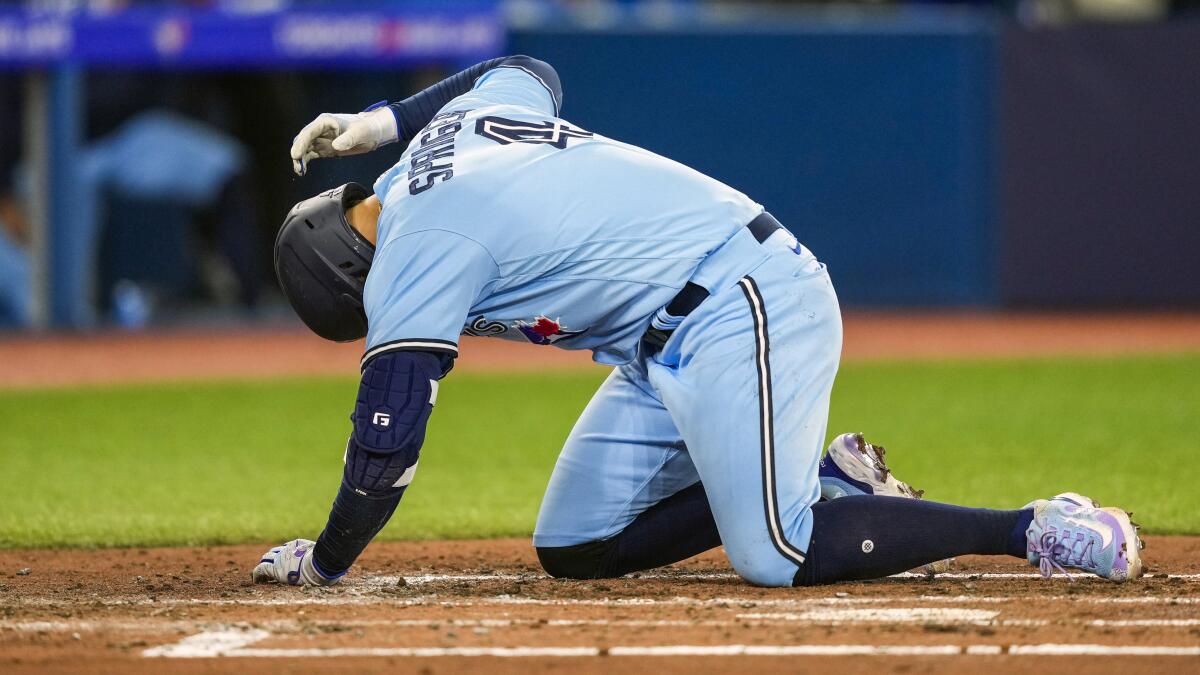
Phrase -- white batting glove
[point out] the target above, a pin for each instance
(340, 134)
(291, 564)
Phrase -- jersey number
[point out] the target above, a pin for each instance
(505, 131)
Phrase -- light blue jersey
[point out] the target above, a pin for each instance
(502, 219)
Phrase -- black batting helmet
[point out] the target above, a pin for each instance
(322, 263)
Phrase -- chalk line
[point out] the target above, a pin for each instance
(727, 650)
(938, 615)
(335, 598)
(234, 643)
(884, 615)
(1100, 650)
(926, 615)
(209, 643)
(423, 579)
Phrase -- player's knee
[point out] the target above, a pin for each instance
(763, 568)
(581, 561)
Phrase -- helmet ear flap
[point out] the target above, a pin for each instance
(322, 263)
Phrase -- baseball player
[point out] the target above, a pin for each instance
(503, 219)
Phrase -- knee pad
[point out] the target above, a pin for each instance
(581, 561)
(395, 399)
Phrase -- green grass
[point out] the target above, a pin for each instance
(226, 462)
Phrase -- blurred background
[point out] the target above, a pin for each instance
(1014, 154)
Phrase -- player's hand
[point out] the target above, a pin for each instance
(338, 135)
(291, 564)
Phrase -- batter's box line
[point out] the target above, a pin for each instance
(334, 599)
(234, 643)
(921, 615)
(372, 581)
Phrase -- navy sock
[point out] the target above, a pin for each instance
(674, 529)
(867, 537)
(354, 520)
(1017, 543)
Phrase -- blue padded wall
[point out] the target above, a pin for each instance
(873, 142)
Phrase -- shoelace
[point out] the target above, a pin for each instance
(1047, 547)
(875, 454)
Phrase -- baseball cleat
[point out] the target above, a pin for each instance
(855, 467)
(852, 466)
(1070, 530)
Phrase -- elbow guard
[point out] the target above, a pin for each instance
(395, 399)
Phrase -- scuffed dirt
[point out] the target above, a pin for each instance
(100, 610)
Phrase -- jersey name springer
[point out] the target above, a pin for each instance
(436, 144)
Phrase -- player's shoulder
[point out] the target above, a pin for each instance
(411, 233)
(412, 236)
(511, 85)
(472, 109)
(527, 73)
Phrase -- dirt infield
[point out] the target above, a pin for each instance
(449, 607)
(64, 360)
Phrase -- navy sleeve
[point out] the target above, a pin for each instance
(414, 112)
(395, 399)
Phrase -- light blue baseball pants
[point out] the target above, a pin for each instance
(738, 399)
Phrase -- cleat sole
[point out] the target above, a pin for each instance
(1133, 554)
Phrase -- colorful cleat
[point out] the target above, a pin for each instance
(1071, 530)
(855, 467)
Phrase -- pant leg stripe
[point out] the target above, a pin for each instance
(766, 423)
